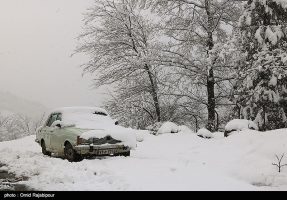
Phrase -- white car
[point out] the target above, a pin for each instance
(77, 132)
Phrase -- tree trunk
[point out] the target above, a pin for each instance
(210, 77)
(147, 68)
(211, 102)
(154, 93)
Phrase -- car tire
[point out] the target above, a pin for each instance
(127, 154)
(70, 154)
(44, 150)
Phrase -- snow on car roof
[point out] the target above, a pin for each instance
(81, 110)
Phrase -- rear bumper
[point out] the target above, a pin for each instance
(101, 150)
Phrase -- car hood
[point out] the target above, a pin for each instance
(127, 136)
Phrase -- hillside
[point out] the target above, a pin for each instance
(12, 104)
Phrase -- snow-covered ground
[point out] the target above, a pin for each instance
(181, 161)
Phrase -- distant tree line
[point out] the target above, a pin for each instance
(15, 126)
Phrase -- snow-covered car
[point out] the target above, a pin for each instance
(77, 132)
(239, 125)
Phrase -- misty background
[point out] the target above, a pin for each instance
(37, 39)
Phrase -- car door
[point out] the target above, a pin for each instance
(57, 135)
(47, 131)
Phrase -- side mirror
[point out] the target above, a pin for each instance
(57, 123)
(39, 129)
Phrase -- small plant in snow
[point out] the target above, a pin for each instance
(279, 164)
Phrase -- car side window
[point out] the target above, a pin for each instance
(59, 116)
(52, 118)
(48, 121)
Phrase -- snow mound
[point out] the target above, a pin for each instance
(185, 129)
(204, 133)
(240, 124)
(168, 127)
(142, 134)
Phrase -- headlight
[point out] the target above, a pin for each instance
(82, 141)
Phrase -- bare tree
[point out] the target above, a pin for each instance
(119, 42)
(279, 162)
(3, 120)
(15, 126)
(194, 28)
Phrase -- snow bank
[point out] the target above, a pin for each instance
(171, 162)
(168, 127)
(253, 161)
(240, 124)
(204, 133)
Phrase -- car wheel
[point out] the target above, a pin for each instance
(127, 154)
(44, 150)
(70, 154)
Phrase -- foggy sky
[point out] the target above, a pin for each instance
(37, 38)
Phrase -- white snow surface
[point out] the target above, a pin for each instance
(240, 124)
(168, 127)
(173, 162)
